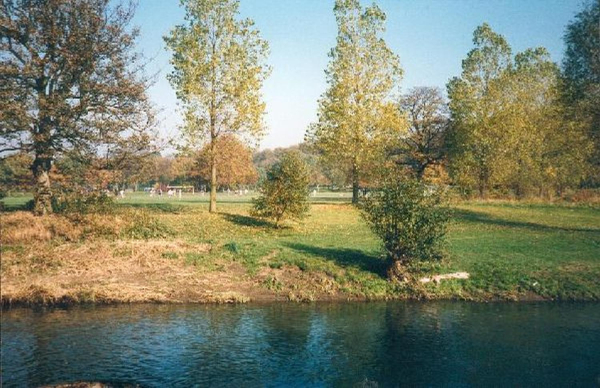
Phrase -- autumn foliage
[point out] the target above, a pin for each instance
(234, 160)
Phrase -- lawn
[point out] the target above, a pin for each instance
(511, 250)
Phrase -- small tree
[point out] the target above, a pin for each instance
(410, 220)
(284, 192)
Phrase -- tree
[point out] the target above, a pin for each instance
(476, 144)
(508, 128)
(234, 159)
(356, 113)
(218, 73)
(546, 151)
(264, 159)
(70, 81)
(284, 192)
(410, 221)
(423, 145)
(15, 172)
(183, 168)
(581, 71)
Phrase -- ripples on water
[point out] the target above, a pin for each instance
(391, 344)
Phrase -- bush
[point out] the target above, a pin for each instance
(142, 225)
(83, 203)
(410, 220)
(284, 191)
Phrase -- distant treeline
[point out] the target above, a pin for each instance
(76, 114)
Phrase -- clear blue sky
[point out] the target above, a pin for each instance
(430, 36)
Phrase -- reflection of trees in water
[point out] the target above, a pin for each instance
(102, 343)
(542, 344)
(418, 345)
(332, 344)
(356, 328)
(18, 335)
(290, 340)
(328, 344)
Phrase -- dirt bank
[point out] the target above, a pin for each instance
(133, 271)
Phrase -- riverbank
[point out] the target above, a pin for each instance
(176, 252)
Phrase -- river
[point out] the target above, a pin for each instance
(322, 344)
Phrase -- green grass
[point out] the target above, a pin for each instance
(165, 203)
(550, 250)
(511, 250)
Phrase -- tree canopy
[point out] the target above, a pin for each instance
(581, 71)
(357, 115)
(507, 125)
(219, 69)
(71, 81)
(428, 118)
(284, 191)
(234, 159)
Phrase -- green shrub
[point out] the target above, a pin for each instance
(410, 220)
(284, 191)
(143, 225)
(232, 247)
(83, 203)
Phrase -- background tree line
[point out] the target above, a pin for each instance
(76, 114)
(515, 124)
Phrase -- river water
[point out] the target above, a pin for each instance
(334, 344)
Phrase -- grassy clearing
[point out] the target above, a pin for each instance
(512, 251)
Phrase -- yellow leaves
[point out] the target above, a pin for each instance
(356, 115)
(219, 69)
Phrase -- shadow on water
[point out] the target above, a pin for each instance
(242, 220)
(344, 257)
(483, 218)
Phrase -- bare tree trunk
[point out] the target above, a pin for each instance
(483, 184)
(421, 172)
(482, 190)
(355, 184)
(42, 199)
(213, 176)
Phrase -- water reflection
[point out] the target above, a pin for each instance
(417, 344)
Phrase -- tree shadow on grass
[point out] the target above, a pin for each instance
(163, 207)
(483, 218)
(330, 200)
(242, 220)
(13, 208)
(344, 257)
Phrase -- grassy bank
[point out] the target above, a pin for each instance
(160, 249)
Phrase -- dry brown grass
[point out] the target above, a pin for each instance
(102, 271)
(590, 196)
(24, 227)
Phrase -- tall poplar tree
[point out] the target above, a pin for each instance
(477, 144)
(357, 116)
(219, 69)
(581, 71)
(71, 82)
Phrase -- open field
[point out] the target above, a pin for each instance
(513, 251)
